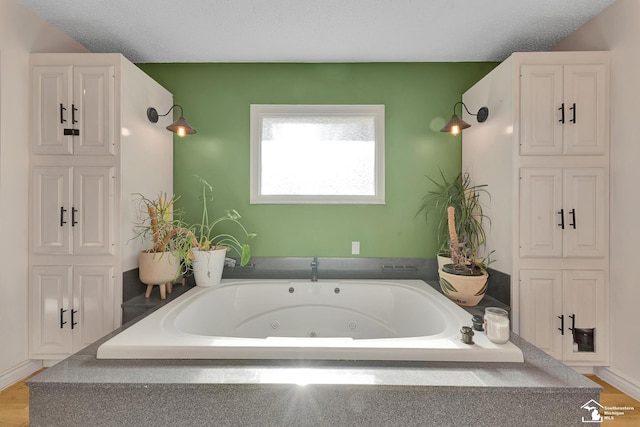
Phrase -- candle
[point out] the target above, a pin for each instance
(497, 325)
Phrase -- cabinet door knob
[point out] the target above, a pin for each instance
(561, 109)
(573, 109)
(73, 216)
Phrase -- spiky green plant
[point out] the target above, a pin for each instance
(158, 223)
(465, 198)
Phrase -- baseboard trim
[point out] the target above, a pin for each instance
(619, 381)
(15, 374)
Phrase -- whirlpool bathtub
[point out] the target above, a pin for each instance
(333, 320)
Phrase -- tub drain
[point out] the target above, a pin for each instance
(275, 324)
(313, 333)
(352, 324)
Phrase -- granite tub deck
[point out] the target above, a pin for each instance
(85, 391)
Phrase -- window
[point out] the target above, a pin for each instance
(317, 154)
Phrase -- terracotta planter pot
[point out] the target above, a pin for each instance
(464, 290)
(208, 266)
(158, 268)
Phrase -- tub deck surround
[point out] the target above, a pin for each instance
(333, 320)
(83, 390)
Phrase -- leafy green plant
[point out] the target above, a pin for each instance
(469, 217)
(206, 232)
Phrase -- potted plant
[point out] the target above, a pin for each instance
(465, 198)
(465, 279)
(171, 243)
(210, 245)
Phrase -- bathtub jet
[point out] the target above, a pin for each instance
(404, 320)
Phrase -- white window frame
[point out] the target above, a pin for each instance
(260, 111)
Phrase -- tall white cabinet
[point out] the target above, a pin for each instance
(92, 148)
(544, 154)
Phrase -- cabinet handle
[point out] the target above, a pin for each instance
(561, 113)
(73, 322)
(561, 328)
(62, 110)
(573, 109)
(561, 213)
(573, 218)
(73, 216)
(62, 211)
(62, 322)
(73, 114)
(573, 322)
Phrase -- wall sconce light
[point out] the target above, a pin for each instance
(180, 126)
(456, 124)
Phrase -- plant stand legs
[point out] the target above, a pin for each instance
(164, 289)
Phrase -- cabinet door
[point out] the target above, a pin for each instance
(51, 98)
(586, 130)
(51, 210)
(92, 305)
(50, 307)
(584, 297)
(94, 110)
(541, 308)
(585, 205)
(541, 217)
(541, 113)
(92, 210)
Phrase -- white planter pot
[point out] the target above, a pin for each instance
(464, 290)
(208, 266)
(158, 268)
(442, 260)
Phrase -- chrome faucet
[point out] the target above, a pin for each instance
(314, 269)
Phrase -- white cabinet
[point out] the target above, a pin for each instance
(70, 307)
(565, 313)
(563, 212)
(92, 149)
(563, 110)
(72, 209)
(544, 156)
(73, 110)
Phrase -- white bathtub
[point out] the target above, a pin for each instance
(336, 320)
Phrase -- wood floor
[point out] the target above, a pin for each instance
(14, 405)
(612, 397)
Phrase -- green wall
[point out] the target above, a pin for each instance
(418, 99)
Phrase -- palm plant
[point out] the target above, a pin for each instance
(159, 224)
(469, 217)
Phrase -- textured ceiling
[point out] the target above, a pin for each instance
(316, 30)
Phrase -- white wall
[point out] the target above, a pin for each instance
(617, 29)
(21, 32)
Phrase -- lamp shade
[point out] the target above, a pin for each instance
(181, 127)
(455, 125)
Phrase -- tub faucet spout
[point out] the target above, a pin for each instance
(314, 269)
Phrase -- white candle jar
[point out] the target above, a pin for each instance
(496, 323)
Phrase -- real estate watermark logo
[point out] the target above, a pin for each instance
(595, 409)
(596, 413)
